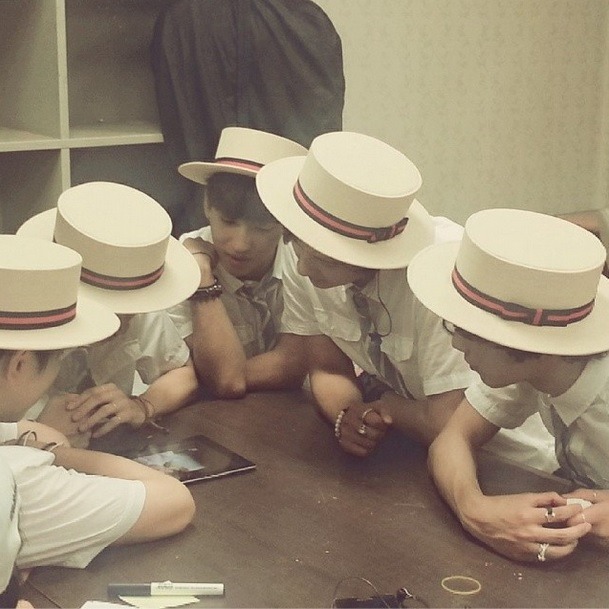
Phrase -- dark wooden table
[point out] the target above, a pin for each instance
(310, 516)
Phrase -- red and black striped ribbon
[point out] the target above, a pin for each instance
(342, 227)
(514, 312)
(36, 320)
(109, 282)
(239, 163)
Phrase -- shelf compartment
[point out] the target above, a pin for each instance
(29, 70)
(110, 80)
(30, 182)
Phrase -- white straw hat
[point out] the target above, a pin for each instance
(41, 307)
(242, 151)
(520, 279)
(131, 263)
(10, 541)
(351, 198)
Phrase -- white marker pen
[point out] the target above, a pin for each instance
(166, 589)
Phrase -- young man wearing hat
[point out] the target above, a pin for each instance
(60, 505)
(232, 322)
(525, 300)
(132, 265)
(350, 206)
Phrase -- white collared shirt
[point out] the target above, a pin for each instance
(243, 314)
(415, 343)
(583, 408)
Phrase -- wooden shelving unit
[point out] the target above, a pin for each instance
(77, 101)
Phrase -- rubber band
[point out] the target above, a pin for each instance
(463, 579)
(51, 446)
(25, 436)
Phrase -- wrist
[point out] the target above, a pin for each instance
(148, 410)
(207, 292)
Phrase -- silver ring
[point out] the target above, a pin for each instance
(583, 516)
(541, 555)
(550, 515)
(366, 412)
(362, 429)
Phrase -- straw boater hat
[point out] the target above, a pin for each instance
(352, 197)
(40, 304)
(520, 279)
(10, 540)
(242, 151)
(131, 263)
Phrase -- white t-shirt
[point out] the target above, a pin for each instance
(66, 518)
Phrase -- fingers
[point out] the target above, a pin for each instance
(588, 494)
(360, 429)
(558, 515)
(106, 427)
(91, 399)
(544, 552)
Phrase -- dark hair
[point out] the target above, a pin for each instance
(42, 357)
(522, 356)
(236, 197)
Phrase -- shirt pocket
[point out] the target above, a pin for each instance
(397, 347)
(335, 325)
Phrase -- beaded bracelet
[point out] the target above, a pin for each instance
(149, 411)
(338, 423)
(207, 293)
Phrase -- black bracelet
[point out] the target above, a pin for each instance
(210, 292)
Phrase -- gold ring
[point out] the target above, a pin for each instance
(365, 413)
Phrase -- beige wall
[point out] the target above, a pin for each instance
(498, 102)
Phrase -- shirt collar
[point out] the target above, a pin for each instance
(571, 404)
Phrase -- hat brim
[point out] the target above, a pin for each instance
(200, 172)
(180, 278)
(275, 182)
(93, 322)
(429, 276)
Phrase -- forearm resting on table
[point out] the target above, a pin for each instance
(421, 420)
(172, 390)
(333, 392)
(452, 459)
(452, 465)
(218, 355)
(284, 367)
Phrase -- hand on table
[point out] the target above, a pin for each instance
(101, 409)
(517, 525)
(597, 514)
(361, 428)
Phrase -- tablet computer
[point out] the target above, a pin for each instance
(192, 459)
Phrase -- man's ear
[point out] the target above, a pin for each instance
(206, 207)
(17, 362)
